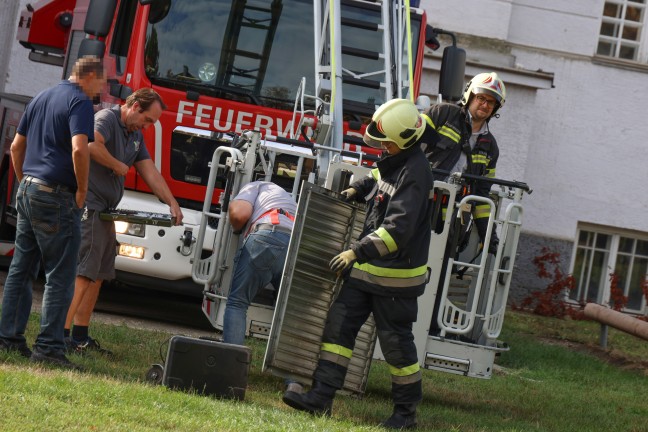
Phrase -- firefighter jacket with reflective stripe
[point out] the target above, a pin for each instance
(452, 123)
(393, 248)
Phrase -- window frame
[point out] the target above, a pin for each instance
(642, 42)
(611, 263)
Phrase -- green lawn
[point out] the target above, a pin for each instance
(553, 379)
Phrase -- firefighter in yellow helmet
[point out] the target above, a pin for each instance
(385, 270)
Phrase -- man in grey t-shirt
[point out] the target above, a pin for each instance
(264, 213)
(118, 145)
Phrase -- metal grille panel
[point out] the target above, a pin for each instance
(324, 226)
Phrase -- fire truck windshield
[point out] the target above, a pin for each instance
(253, 52)
(257, 52)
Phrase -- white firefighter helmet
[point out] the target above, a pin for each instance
(398, 121)
(486, 83)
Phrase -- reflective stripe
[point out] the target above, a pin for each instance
(446, 131)
(389, 189)
(482, 211)
(387, 238)
(407, 370)
(378, 243)
(479, 159)
(428, 120)
(407, 379)
(393, 278)
(490, 173)
(335, 358)
(336, 354)
(375, 173)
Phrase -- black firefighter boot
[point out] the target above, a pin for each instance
(317, 401)
(404, 417)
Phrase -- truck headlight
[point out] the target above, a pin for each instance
(134, 229)
(131, 251)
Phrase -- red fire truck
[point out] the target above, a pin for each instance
(222, 67)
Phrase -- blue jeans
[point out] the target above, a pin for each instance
(259, 261)
(48, 229)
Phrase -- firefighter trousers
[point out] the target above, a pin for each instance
(394, 317)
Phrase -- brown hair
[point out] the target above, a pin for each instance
(145, 97)
(87, 65)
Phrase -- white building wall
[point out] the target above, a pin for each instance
(581, 145)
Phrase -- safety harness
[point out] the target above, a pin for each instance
(274, 218)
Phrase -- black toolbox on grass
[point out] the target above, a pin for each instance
(207, 367)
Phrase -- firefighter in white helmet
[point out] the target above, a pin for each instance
(385, 270)
(467, 146)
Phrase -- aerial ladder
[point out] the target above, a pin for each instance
(250, 157)
(245, 65)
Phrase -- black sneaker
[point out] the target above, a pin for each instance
(21, 348)
(54, 359)
(86, 346)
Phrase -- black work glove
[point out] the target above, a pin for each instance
(494, 243)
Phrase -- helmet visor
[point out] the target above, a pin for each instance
(373, 137)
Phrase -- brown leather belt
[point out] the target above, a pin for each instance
(46, 186)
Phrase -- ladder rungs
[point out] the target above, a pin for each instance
(359, 52)
(349, 22)
(361, 82)
(373, 5)
(248, 54)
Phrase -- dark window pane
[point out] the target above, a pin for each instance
(628, 52)
(622, 269)
(634, 13)
(612, 10)
(609, 29)
(635, 294)
(626, 244)
(602, 241)
(605, 48)
(642, 248)
(581, 270)
(598, 276)
(630, 33)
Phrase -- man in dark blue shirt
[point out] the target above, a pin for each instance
(51, 160)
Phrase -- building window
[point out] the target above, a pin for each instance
(602, 251)
(622, 29)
